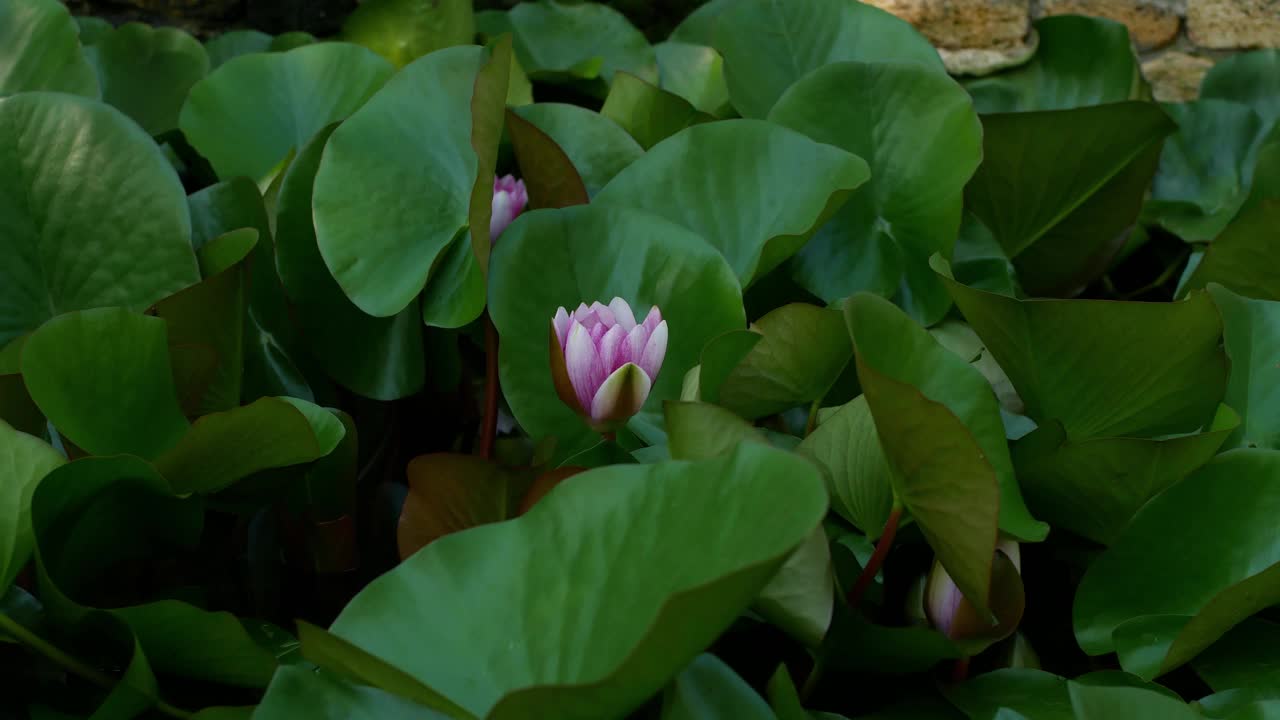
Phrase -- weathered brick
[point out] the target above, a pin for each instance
(984, 61)
(964, 23)
(1234, 23)
(1152, 23)
(1175, 76)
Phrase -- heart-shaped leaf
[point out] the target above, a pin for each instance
(1185, 590)
(1251, 336)
(553, 258)
(1094, 487)
(449, 493)
(404, 30)
(102, 378)
(1080, 61)
(646, 111)
(40, 50)
(597, 146)
(146, 72)
(691, 572)
(83, 229)
(919, 383)
(251, 111)
(224, 447)
(1250, 78)
(578, 41)
(801, 353)
(1243, 257)
(881, 240)
(1059, 189)
(234, 43)
(25, 461)
(772, 188)
(548, 173)
(700, 431)
(708, 689)
(770, 44)
(381, 358)
(1104, 368)
(412, 139)
(695, 73)
(848, 450)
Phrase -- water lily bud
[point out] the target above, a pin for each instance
(950, 611)
(604, 363)
(509, 199)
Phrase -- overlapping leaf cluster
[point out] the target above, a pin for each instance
(244, 294)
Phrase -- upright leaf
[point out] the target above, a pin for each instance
(404, 30)
(1251, 78)
(580, 41)
(847, 449)
(1251, 337)
(649, 113)
(146, 72)
(918, 132)
(708, 689)
(24, 462)
(597, 147)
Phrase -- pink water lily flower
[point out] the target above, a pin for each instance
(604, 363)
(949, 610)
(509, 199)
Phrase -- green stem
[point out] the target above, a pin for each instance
(877, 558)
(813, 417)
(92, 674)
(815, 676)
(489, 424)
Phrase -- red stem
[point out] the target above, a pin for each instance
(489, 426)
(960, 671)
(877, 558)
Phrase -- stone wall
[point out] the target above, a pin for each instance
(1178, 40)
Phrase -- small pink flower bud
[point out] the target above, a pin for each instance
(949, 610)
(509, 199)
(604, 363)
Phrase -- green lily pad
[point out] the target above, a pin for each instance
(1243, 257)
(802, 351)
(1080, 61)
(40, 50)
(695, 73)
(83, 229)
(848, 450)
(646, 111)
(708, 690)
(1251, 336)
(299, 691)
(553, 258)
(1167, 615)
(247, 115)
(224, 447)
(769, 45)
(772, 187)
(548, 173)
(412, 139)
(1206, 167)
(146, 72)
(699, 26)
(580, 41)
(691, 572)
(700, 431)
(1026, 693)
(1105, 368)
(404, 30)
(1060, 189)
(919, 383)
(1252, 78)
(881, 240)
(1245, 657)
(381, 358)
(26, 461)
(598, 147)
(102, 378)
(1094, 487)
(234, 43)
(91, 29)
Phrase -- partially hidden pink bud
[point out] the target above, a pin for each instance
(950, 611)
(509, 199)
(604, 363)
